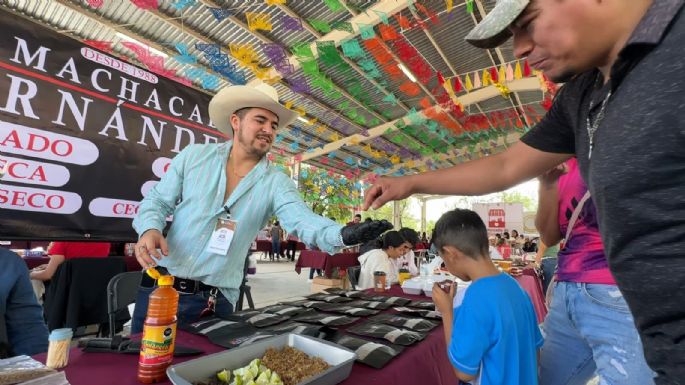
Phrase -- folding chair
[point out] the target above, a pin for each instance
(353, 275)
(122, 290)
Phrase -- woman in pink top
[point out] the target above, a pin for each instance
(589, 330)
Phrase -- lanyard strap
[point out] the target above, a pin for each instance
(575, 215)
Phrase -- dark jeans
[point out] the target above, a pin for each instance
(189, 307)
(311, 273)
(549, 266)
(276, 248)
(290, 249)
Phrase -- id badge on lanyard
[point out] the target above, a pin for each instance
(222, 235)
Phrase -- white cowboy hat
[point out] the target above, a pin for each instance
(255, 94)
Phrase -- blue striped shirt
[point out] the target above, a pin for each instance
(193, 192)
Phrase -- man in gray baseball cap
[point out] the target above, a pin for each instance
(494, 29)
(620, 113)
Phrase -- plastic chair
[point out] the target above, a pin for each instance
(353, 275)
(122, 290)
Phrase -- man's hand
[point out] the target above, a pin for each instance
(443, 299)
(387, 189)
(146, 248)
(357, 233)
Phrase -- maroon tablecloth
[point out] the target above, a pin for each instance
(424, 363)
(312, 259)
(33, 262)
(341, 260)
(531, 284)
(321, 260)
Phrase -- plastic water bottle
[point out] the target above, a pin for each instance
(424, 270)
(159, 332)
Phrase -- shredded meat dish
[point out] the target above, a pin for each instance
(293, 365)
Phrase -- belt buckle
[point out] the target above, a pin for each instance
(183, 286)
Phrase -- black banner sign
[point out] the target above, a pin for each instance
(83, 135)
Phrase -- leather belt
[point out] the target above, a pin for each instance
(182, 285)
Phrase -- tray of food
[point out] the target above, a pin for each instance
(288, 359)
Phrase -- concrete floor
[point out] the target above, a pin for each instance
(276, 282)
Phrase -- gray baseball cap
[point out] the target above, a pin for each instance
(493, 29)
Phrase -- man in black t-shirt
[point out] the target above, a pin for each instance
(620, 112)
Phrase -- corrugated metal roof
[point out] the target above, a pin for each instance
(167, 26)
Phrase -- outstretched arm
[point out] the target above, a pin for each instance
(518, 163)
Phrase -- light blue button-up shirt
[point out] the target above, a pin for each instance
(193, 192)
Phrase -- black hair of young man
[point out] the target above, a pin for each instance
(464, 230)
(410, 235)
(392, 239)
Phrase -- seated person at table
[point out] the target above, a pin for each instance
(393, 247)
(503, 248)
(22, 328)
(58, 253)
(407, 260)
(496, 337)
(494, 254)
(424, 239)
(529, 246)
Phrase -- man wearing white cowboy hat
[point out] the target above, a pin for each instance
(620, 113)
(220, 196)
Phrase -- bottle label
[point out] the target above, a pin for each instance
(157, 345)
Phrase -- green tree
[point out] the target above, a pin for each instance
(529, 204)
(329, 195)
(406, 218)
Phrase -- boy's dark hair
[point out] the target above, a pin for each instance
(392, 238)
(464, 230)
(410, 236)
(358, 216)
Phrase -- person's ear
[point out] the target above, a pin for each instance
(449, 252)
(235, 122)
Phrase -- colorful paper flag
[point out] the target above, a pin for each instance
(145, 4)
(518, 74)
(321, 26)
(258, 21)
(352, 49)
(344, 26)
(334, 5)
(105, 46)
(366, 31)
(387, 32)
(219, 13)
(183, 4)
